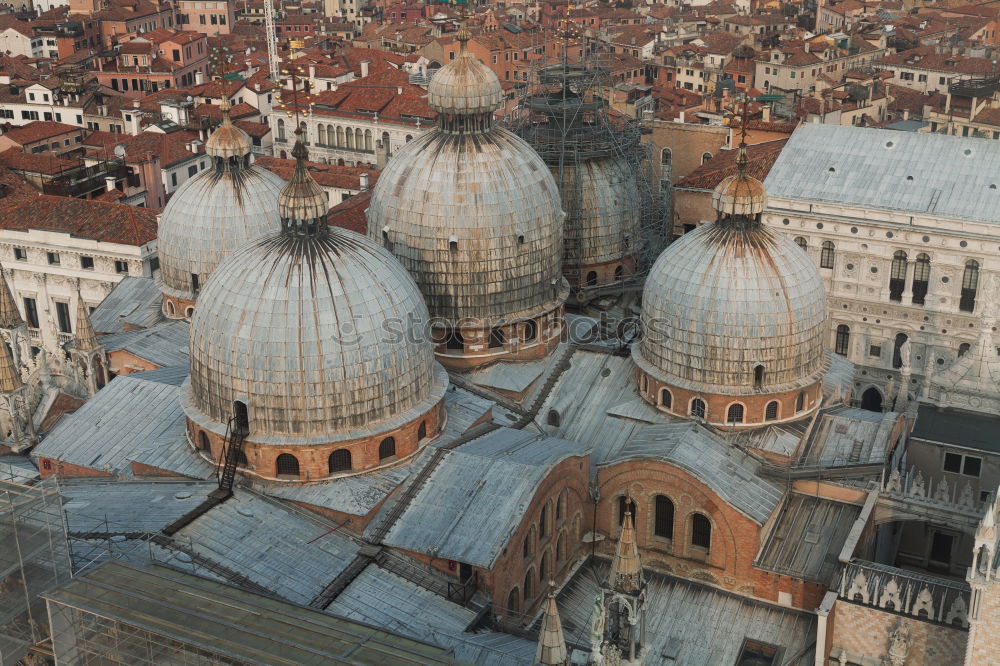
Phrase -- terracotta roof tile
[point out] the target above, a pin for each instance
(97, 220)
(38, 130)
(761, 158)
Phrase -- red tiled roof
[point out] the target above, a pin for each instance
(761, 158)
(38, 131)
(350, 214)
(327, 175)
(97, 220)
(44, 163)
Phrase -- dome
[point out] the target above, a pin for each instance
(228, 140)
(317, 330)
(476, 219)
(470, 209)
(213, 213)
(465, 85)
(739, 195)
(721, 301)
(603, 212)
(299, 330)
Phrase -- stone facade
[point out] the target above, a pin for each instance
(863, 633)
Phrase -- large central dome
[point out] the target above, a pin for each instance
(474, 214)
(316, 335)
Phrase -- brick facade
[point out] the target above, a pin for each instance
(984, 625)
(473, 349)
(863, 631)
(49, 467)
(177, 308)
(314, 461)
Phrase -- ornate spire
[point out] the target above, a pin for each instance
(10, 317)
(302, 205)
(228, 141)
(626, 569)
(463, 35)
(10, 378)
(86, 339)
(551, 643)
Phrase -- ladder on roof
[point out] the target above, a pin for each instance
(232, 453)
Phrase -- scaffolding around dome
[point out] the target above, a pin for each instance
(614, 224)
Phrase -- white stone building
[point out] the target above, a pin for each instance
(904, 228)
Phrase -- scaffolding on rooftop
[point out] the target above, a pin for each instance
(34, 558)
(614, 227)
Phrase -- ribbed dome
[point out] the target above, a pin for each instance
(476, 218)
(313, 333)
(228, 140)
(723, 299)
(465, 85)
(603, 212)
(217, 211)
(739, 195)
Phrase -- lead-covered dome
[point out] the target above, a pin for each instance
(228, 204)
(471, 210)
(720, 301)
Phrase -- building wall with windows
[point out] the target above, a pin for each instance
(892, 273)
(348, 140)
(49, 270)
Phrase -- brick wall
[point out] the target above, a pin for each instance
(863, 631)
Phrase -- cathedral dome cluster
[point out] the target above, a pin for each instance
(733, 319)
(311, 338)
(474, 214)
(228, 204)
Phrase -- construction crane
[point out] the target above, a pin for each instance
(272, 39)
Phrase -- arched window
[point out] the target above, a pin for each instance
(497, 338)
(735, 413)
(368, 141)
(350, 137)
(665, 157)
(619, 273)
(591, 278)
(514, 601)
(241, 418)
(871, 400)
(625, 503)
(758, 376)
(530, 330)
(321, 134)
(561, 547)
(281, 129)
(701, 531)
(897, 276)
(643, 383)
(340, 136)
(287, 465)
(527, 587)
(385, 141)
(826, 255)
(666, 398)
(170, 308)
(543, 569)
(409, 138)
(800, 401)
(203, 441)
(386, 448)
(843, 341)
(962, 349)
(970, 284)
(698, 408)
(527, 547)
(561, 506)
(340, 461)
(921, 278)
(771, 411)
(553, 418)
(543, 521)
(422, 431)
(897, 355)
(455, 340)
(801, 242)
(663, 525)
(705, 157)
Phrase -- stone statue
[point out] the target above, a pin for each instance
(899, 644)
(904, 355)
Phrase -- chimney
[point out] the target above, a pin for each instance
(109, 183)
(364, 68)
(906, 114)
(682, 116)
(199, 77)
(364, 182)
(765, 114)
(805, 46)
(399, 90)
(312, 71)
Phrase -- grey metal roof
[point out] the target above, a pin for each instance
(954, 426)
(807, 538)
(323, 337)
(709, 458)
(174, 375)
(289, 552)
(495, 475)
(17, 468)
(244, 627)
(870, 168)
(122, 419)
(356, 495)
(691, 623)
(168, 450)
(134, 300)
(165, 344)
(127, 506)
(848, 436)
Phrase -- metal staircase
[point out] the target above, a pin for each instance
(232, 453)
